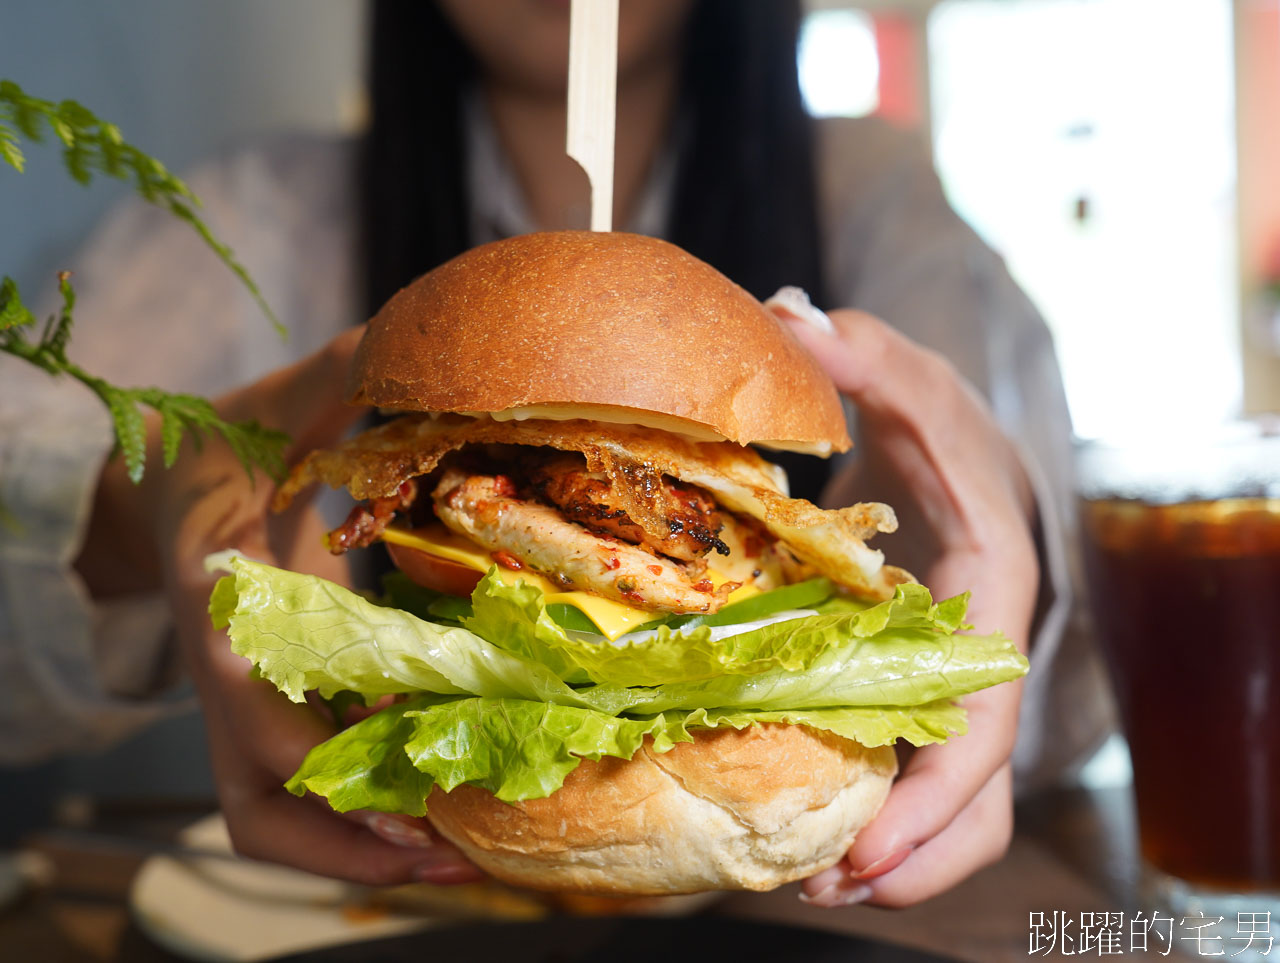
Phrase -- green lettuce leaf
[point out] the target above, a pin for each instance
(304, 633)
(401, 592)
(900, 665)
(524, 750)
(515, 748)
(872, 726)
(515, 618)
(366, 767)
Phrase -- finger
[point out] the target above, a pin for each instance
(276, 732)
(977, 837)
(940, 439)
(208, 505)
(265, 737)
(272, 825)
(886, 373)
(939, 781)
(408, 831)
(251, 771)
(306, 400)
(297, 539)
(254, 707)
(268, 768)
(936, 785)
(1003, 582)
(249, 712)
(932, 425)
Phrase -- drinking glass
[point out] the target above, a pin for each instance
(1181, 540)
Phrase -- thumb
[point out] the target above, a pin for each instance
(306, 400)
(885, 373)
(816, 331)
(206, 503)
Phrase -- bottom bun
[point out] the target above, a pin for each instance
(749, 809)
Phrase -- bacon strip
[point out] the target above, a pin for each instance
(369, 519)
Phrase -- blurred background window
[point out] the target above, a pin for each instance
(1092, 143)
(839, 63)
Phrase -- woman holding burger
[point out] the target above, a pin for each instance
(714, 153)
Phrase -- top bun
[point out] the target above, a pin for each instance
(610, 327)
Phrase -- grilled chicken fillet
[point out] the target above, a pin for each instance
(487, 509)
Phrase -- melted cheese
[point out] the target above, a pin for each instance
(612, 618)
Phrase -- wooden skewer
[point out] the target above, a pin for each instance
(593, 87)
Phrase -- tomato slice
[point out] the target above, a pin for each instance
(434, 572)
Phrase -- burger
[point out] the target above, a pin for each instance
(617, 657)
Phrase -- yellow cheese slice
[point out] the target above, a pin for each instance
(612, 618)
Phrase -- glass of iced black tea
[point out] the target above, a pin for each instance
(1181, 543)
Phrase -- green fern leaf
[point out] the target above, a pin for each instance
(255, 445)
(13, 313)
(10, 152)
(64, 131)
(131, 430)
(76, 159)
(91, 145)
(24, 111)
(59, 334)
(171, 431)
(74, 116)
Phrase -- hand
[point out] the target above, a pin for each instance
(925, 429)
(257, 738)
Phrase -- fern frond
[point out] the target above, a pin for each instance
(10, 152)
(58, 332)
(13, 313)
(92, 146)
(130, 428)
(171, 432)
(181, 415)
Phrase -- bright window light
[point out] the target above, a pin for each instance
(1091, 143)
(839, 67)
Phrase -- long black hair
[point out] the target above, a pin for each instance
(745, 196)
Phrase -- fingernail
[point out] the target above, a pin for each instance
(400, 833)
(828, 877)
(445, 873)
(884, 864)
(795, 302)
(838, 894)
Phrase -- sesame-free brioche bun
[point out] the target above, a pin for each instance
(604, 326)
(735, 810)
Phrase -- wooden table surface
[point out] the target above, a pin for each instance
(1073, 852)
